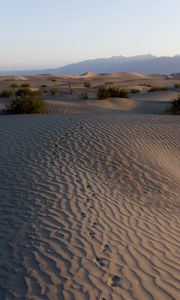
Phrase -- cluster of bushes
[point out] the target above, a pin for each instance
(145, 84)
(174, 109)
(135, 91)
(108, 83)
(54, 91)
(84, 96)
(177, 86)
(28, 92)
(14, 85)
(87, 84)
(24, 101)
(6, 93)
(158, 89)
(25, 85)
(111, 92)
(26, 105)
(21, 92)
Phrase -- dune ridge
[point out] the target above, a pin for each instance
(89, 207)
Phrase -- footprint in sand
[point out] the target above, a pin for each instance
(92, 234)
(94, 225)
(90, 207)
(101, 262)
(106, 249)
(83, 215)
(88, 186)
(114, 281)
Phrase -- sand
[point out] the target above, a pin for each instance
(70, 89)
(89, 206)
(90, 194)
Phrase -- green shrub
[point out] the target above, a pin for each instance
(54, 91)
(6, 94)
(158, 89)
(145, 84)
(87, 84)
(84, 96)
(103, 93)
(25, 85)
(174, 109)
(28, 92)
(177, 86)
(109, 83)
(14, 85)
(71, 91)
(111, 92)
(135, 91)
(26, 105)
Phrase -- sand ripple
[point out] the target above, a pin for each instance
(89, 207)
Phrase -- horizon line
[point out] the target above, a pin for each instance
(88, 59)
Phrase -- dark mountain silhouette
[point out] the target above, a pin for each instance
(148, 64)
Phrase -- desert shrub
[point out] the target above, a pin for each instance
(103, 93)
(14, 85)
(84, 96)
(71, 91)
(87, 84)
(37, 93)
(145, 84)
(135, 91)
(118, 93)
(174, 108)
(158, 89)
(26, 104)
(6, 93)
(25, 85)
(54, 91)
(43, 86)
(108, 83)
(28, 92)
(53, 80)
(177, 86)
(111, 92)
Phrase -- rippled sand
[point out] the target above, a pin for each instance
(89, 207)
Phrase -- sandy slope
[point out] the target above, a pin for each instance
(89, 207)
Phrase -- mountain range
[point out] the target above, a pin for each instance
(148, 64)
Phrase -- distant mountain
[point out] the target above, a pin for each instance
(148, 64)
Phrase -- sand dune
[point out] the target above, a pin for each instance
(89, 207)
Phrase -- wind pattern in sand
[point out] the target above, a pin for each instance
(89, 207)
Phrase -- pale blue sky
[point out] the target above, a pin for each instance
(51, 33)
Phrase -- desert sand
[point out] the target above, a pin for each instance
(90, 199)
(70, 88)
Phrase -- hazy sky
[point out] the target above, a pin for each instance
(51, 33)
